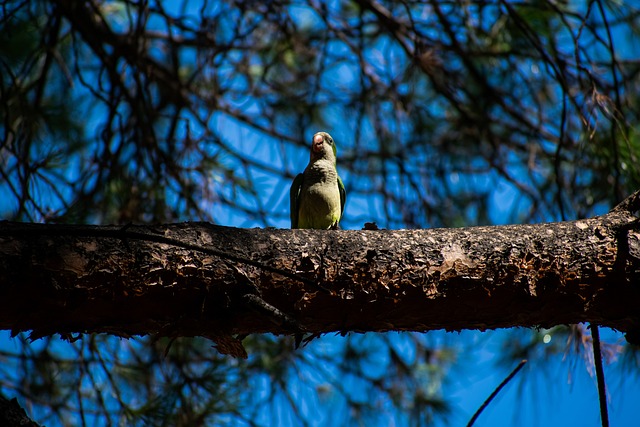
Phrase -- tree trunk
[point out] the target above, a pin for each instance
(198, 279)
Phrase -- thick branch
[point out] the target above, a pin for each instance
(67, 279)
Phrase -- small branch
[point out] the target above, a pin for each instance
(273, 314)
(597, 360)
(221, 254)
(631, 204)
(124, 233)
(495, 392)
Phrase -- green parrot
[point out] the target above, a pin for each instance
(317, 195)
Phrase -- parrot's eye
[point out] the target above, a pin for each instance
(330, 140)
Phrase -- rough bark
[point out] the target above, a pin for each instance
(199, 279)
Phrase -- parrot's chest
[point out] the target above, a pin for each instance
(320, 204)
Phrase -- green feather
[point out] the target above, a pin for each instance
(294, 199)
(343, 195)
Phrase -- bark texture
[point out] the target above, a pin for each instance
(199, 279)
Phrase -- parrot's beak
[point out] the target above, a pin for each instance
(317, 143)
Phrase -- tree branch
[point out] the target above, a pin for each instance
(192, 278)
(495, 392)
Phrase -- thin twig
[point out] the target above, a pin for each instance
(631, 204)
(125, 233)
(597, 360)
(496, 391)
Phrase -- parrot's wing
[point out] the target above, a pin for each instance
(294, 199)
(343, 196)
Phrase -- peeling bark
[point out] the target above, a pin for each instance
(141, 279)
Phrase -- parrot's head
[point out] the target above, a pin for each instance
(323, 147)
